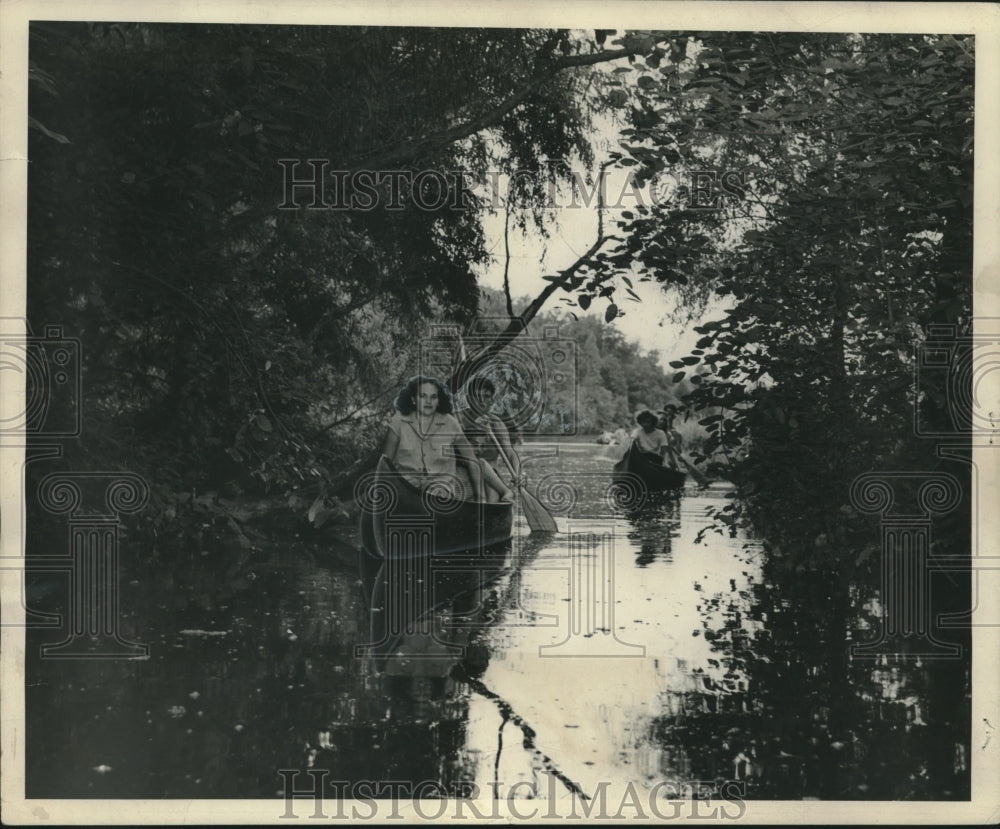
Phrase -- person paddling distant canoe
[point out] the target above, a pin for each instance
(424, 439)
(642, 463)
(651, 441)
(674, 440)
(675, 444)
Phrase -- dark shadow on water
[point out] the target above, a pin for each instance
(654, 525)
(784, 708)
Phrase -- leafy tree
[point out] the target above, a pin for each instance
(614, 376)
(230, 343)
(854, 234)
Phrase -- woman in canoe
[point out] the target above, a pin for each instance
(651, 441)
(424, 439)
(488, 436)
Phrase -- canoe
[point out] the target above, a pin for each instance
(399, 520)
(655, 478)
(423, 555)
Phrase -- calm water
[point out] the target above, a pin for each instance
(619, 650)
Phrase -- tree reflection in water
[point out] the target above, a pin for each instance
(410, 724)
(654, 526)
(795, 716)
(253, 669)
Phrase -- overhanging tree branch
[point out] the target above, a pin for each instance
(506, 261)
(494, 116)
(520, 322)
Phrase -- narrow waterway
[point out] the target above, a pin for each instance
(618, 651)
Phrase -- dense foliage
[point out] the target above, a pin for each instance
(233, 346)
(852, 237)
(852, 234)
(614, 376)
(230, 345)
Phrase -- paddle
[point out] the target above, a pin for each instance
(539, 519)
(695, 472)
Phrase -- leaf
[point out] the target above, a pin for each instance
(583, 302)
(317, 505)
(611, 313)
(617, 98)
(678, 376)
(262, 423)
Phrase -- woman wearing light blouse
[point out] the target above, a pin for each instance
(424, 439)
(651, 442)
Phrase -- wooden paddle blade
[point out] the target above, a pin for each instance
(539, 519)
(696, 473)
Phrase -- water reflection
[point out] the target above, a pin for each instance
(703, 662)
(654, 527)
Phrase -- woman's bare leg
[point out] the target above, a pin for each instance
(494, 487)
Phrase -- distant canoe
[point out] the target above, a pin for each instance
(655, 478)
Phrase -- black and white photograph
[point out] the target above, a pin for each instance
(500, 413)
